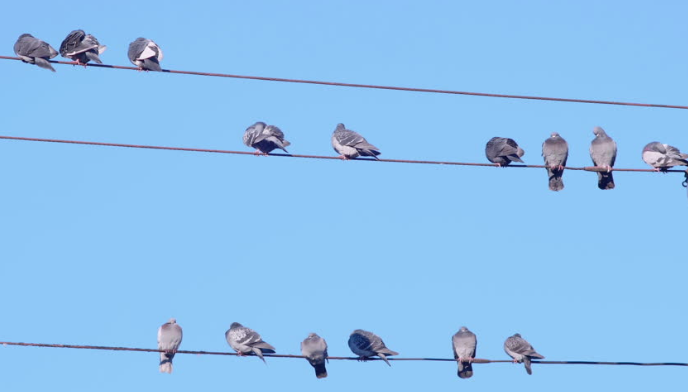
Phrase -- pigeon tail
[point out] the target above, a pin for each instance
(465, 370)
(151, 65)
(526, 363)
(366, 152)
(320, 371)
(381, 355)
(556, 183)
(93, 57)
(605, 180)
(43, 63)
(515, 158)
(259, 353)
(166, 362)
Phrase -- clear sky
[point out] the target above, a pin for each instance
(102, 245)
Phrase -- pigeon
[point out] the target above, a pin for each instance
(169, 338)
(350, 144)
(555, 151)
(521, 351)
(145, 54)
(265, 138)
(366, 344)
(81, 47)
(34, 51)
(603, 154)
(245, 340)
(314, 348)
(663, 156)
(464, 343)
(503, 151)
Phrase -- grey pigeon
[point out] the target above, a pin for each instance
(169, 338)
(555, 151)
(245, 341)
(521, 351)
(366, 344)
(145, 54)
(464, 343)
(34, 51)
(663, 156)
(503, 151)
(265, 138)
(81, 47)
(314, 348)
(350, 144)
(603, 154)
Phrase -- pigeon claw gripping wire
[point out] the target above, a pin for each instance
(685, 182)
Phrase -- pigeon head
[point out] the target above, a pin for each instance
(235, 325)
(172, 321)
(517, 335)
(313, 335)
(340, 126)
(555, 134)
(654, 146)
(598, 131)
(25, 35)
(463, 329)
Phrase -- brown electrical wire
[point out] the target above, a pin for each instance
(379, 87)
(586, 168)
(476, 360)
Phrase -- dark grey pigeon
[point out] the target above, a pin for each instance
(503, 151)
(464, 343)
(314, 348)
(245, 341)
(34, 51)
(169, 338)
(81, 47)
(555, 151)
(265, 138)
(603, 154)
(366, 344)
(145, 54)
(663, 156)
(350, 144)
(521, 351)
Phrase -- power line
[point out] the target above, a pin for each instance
(585, 168)
(378, 87)
(476, 360)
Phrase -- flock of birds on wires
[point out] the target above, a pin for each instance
(146, 55)
(246, 341)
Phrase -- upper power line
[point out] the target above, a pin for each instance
(379, 87)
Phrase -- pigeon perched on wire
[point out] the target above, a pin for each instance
(265, 138)
(663, 156)
(366, 344)
(314, 348)
(603, 154)
(169, 338)
(521, 351)
(503, 151)
(464, 343)
(350, 144)
(245, 341)
(145, 54)
(555, 151)
(81, 47)
(34, 51)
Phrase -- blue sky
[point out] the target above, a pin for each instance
(102, 245)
